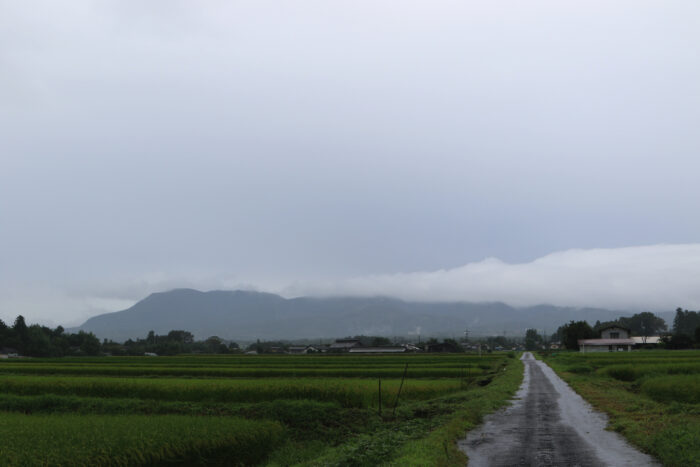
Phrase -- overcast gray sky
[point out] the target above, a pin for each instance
(349, 147)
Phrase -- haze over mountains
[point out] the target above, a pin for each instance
(245, 316)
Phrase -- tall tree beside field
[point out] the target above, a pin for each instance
(573, 331)
(532, 339)
(685, 322)
(20, 328)
(644, 324)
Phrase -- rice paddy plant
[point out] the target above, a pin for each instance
(101, 440)
(344, 360)
(632, 372)
(348, 392)
(385, 371)
(676, 388)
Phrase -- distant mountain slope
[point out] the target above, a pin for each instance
(245, 316)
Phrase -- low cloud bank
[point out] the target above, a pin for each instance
(656, 277)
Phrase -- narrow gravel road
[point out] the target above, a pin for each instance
(548, 424)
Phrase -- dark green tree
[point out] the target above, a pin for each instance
(90, 344)
(20, 329)
(533, 340)
(379, 341)
(573, 331)
(644, 324)
(38, 343)
(452, 345)
(685, 322)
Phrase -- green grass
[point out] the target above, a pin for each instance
(425, 432)
(439, 448)
(652, 398)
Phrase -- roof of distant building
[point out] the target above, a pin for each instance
(345, 344)
(606, 342)
(382, 349)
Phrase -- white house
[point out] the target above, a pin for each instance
(301, 349)
(613, 338)
(642, 340)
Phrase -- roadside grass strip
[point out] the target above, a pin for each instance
(426, 433)
(68, 440)
(652, 398)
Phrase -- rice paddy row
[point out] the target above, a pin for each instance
(236, 410)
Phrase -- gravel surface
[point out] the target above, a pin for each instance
(548, 424)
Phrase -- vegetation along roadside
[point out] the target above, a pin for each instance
(651, 397)
(250, 410)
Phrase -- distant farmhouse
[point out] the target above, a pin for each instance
(9, 352)
(613, 338)
(355, 346)
(302, 349)
(344, 345)
(380, 349)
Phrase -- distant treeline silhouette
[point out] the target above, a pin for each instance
(42, 341)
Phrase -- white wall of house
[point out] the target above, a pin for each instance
(614, 333)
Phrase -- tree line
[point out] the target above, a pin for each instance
(684, 334)
(42, 341)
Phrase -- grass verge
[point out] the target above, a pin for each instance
(669, 431)
(421, 433)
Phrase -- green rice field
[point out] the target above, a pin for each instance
(248, 410)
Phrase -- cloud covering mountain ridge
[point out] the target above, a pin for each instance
(654, 277)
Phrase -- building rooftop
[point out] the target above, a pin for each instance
(384, 349)
(606, 342)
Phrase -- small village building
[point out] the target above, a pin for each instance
(301, 349)
(646, 340)
(9, 352)
(613, 338)
(344, 345)
(412, 348)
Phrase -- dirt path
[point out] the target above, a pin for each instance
(549, 424)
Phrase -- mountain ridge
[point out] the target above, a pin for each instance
(247, 316)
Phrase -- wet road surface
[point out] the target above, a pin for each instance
(548, 425)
